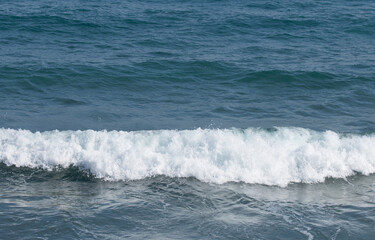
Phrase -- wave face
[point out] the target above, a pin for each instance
(273, 157)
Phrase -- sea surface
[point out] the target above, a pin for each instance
(186, 119)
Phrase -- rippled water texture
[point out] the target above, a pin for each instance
(139, 65)
(68, 204)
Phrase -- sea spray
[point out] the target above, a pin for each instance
(273, 157)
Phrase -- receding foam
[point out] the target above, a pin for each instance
(251, 155)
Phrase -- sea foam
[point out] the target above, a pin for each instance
(272, 157)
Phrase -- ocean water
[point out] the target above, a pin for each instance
(187, 119)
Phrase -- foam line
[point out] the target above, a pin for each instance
(276, 157)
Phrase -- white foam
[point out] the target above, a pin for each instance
(211, 155)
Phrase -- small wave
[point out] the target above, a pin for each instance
(273, 157)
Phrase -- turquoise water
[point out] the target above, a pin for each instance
(187, 119)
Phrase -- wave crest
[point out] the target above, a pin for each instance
(271, 157)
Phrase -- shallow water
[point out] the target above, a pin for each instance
(66, 204)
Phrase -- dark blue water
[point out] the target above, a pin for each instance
(187, 119)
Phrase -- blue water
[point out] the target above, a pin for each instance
(187, 119)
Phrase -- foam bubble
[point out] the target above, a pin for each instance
(212, 155)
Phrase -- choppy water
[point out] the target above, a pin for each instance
(187, 119)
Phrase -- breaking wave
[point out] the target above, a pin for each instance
(276, 156)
